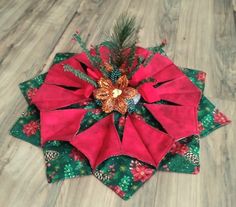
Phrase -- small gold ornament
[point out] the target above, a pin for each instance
(116, 92)
(108, 67)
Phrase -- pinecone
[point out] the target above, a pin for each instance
(98, 102)
(114, 75)
(192, 158)
(131, 105)
(50, 155)
(101, 175)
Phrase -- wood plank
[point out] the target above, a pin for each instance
(26, 47)
(26, 42)
(217, 176)
(207, 41)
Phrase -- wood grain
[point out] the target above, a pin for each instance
(201, 34)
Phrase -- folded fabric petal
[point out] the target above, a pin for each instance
(155, 66)
(60, 124)
(140, 52)
(180, 91)
(95, 74)
(168, 73)
(56, 75)
(99, 142)
(149, 144)
(83, 58)
(178, 121)
(51, 97)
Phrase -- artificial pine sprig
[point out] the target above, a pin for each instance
(81, 75)
(147, 80)
(124, 35)
(149, 58)
(93, 59)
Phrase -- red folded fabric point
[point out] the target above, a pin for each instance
(180, 91)
(99, 142)
(156, 65)
(56, 75)
(83, 58)
(51, 97)
(178, 121)
(60, 124)
(142, 141)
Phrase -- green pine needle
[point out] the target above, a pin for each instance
(147, 80)
(81, 75)
(149, 58)
(158, 49)
(124, 35)
(95, 60)
(100, 67)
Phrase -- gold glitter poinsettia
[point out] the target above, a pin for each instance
(114, 96)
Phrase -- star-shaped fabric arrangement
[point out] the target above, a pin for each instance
(118, 111)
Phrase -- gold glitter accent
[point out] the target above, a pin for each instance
(108, 67)
(123, 68)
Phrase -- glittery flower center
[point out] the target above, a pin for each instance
(114, 96)
(116, 92)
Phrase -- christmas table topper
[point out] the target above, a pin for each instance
(117, 111)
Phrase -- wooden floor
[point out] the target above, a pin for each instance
(201, 34)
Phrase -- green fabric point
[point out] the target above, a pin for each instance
(31, 115)
(63, 161)
(59, 57)
(27, 86)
